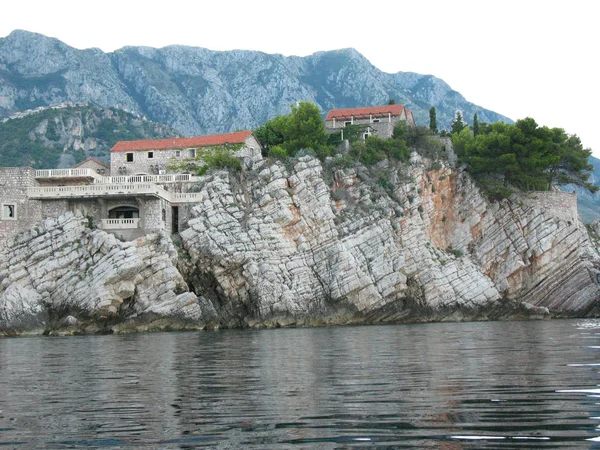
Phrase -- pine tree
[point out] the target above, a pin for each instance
(432, 120)
(475, 125)
(458, 123)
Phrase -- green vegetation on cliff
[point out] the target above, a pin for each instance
(304, 129)
(524, 155)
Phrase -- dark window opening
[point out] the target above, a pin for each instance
(150, 155)
(129, 157)
(175, 219)
(9, 211)
(124, 212)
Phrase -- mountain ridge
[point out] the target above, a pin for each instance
(201, 91)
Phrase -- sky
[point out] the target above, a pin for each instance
(524, 58)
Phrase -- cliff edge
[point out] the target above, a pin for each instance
(305, 243)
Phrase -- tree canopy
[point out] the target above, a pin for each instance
(303, 128)
(525, 155)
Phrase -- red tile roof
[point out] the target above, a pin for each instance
(238, 137)
(365, 111)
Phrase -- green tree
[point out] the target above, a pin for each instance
(272, 133)
(392, 102)
(433, 120)
(525, 155)
(573, 165)
(475, 125)
(303, 128)
(458, 123)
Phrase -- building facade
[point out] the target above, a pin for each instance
(161, 155)
(377, 120)
(143, 195)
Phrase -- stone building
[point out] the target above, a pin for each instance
(141, 197)
(100, 167)
(156, 156)
(18, 211)
(377, 120)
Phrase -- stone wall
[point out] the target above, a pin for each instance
(383, 129)
(162, 159)
(154, 219)
(14, 182)
(53, 208)
(142, 163)
(97, 165)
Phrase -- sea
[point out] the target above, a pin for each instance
(483, 385)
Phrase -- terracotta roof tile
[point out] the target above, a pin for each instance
(365, 111)
(237, 137)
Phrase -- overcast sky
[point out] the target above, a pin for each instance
(519, 58)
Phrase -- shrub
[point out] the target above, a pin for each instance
(278, 152)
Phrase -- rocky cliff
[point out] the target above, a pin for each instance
(199, 91)
(306, 243)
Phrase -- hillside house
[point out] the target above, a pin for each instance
(142, 196)
(155, 156)
(378, 120)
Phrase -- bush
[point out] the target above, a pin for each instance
(278, 152)
(374, 149)
(457, 253)
(221, 158)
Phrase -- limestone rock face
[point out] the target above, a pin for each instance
(306, 243)
(283, 247)
(64, 275)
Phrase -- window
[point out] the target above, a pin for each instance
(150, 155)
(129, 157)
(347, 123)
(177, 153)
(192, 153)
(124, 212)
(9, 211)
(375, 120)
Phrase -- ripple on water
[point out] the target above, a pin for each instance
(451, 386)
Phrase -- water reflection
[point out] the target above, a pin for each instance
(451, 386)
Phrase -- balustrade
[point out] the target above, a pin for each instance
(67, 173)
(120, 224)
(111, 190)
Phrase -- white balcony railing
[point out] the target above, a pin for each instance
(97, 190)
(119, 224)
(67, 173)
(111, 190)
(169, 178)
(186, 197)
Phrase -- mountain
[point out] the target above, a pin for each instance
(62, 135)
(200, 91)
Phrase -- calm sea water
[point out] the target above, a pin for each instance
(448, 386)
